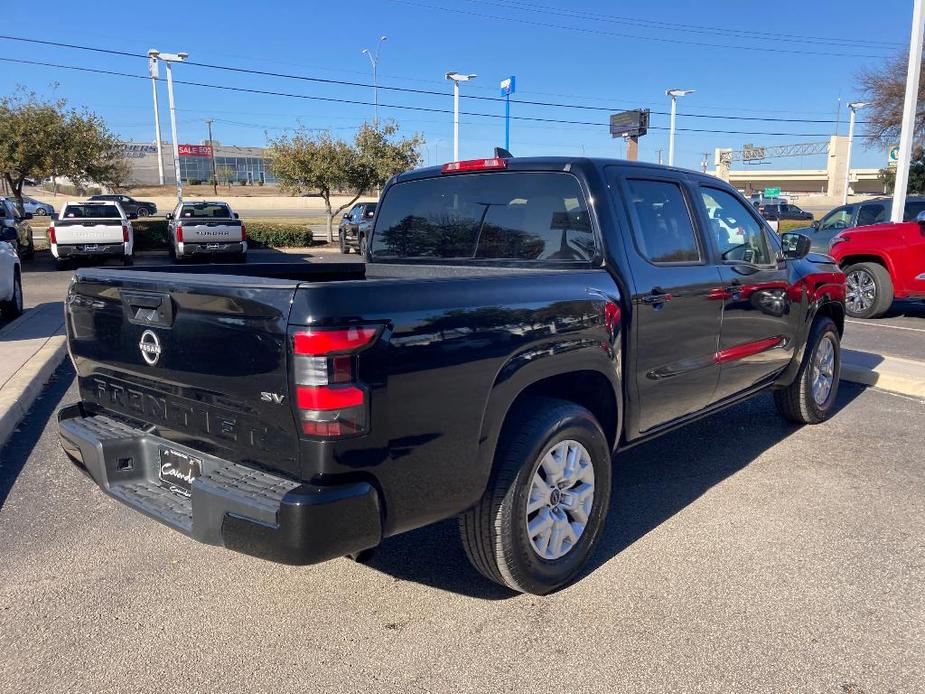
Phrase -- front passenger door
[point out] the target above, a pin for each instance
(757, 337)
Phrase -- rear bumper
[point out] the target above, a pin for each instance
(187, 249)
(231, 505)
(95, 250)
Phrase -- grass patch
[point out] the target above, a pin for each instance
(786, 225)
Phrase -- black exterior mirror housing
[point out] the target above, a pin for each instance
(168, 216)
(815, 224)
(795, 245)
(8, 234)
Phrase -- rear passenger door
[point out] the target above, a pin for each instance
(676, 313)
(757, 337)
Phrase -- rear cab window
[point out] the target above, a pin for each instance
(512, 216)
(213, 210)
(91, 211)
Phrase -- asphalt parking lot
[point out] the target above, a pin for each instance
(742, 555)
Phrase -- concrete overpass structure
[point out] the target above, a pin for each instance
(828, 182)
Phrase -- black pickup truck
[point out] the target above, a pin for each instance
(517, 323)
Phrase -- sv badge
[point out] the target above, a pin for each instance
(275, 398)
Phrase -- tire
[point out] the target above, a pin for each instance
(39, 212)
(800, 402)
(495, 532)
(142, 212)
(362, 250)
(127, 260)
(343, 243)
(872, 303)
(29, 252)
(62, 264)
(13, 308)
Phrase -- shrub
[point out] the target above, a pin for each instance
(195, 182)
(276, 235)
(242, 182)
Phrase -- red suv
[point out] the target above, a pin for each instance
(881, 262)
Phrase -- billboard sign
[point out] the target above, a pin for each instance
(194, 150)
(507, 86)
(630, 123)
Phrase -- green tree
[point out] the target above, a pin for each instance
(308, 162)
(916, 174)
(44, 138)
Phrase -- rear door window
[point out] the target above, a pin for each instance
(871, 213)
(539, 216)
(99, 211)
(663, 227)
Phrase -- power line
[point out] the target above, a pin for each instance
(519, 5)
(601, 32)
(410, 90)
(360, 102)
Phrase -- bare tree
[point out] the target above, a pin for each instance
(884, 88)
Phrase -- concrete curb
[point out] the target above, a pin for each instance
(22, 389)
(903, 376)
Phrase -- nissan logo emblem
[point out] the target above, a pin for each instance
(150, 347)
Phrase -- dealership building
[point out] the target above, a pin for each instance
(248, 164)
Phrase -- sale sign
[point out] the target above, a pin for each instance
(195, 150)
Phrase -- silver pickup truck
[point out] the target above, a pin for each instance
(92, 230)
(206, 228)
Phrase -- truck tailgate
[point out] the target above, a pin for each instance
(212, 231)
(71, 231)
(199, 359)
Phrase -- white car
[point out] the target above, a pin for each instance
(10, 282)
(206, 228)
(91, 229)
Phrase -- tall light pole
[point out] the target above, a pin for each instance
(457, 78)
(909, 108)
(212, 157)
(674, 94)
(374, 61)
(155, 74)
(853, 107)
(169, 59)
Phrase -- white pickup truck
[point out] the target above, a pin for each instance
(206, 228)
(92, 229)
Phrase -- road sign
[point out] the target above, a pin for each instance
(772, 192)
(630, 123)
(752, 153)
(507, 86)
(894, 154)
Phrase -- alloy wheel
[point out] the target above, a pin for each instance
(822, 374)
(560, 500)
(861, 291)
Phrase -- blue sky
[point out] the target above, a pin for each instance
(757, 60)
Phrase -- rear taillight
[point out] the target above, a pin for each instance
(179, 233)
(124, 233)
(330, 400)
(51, 234)
(243, 231)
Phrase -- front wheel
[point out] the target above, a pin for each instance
(13, 308)
(869, 290)
(811, 396)
(545, 506)
(142, 212)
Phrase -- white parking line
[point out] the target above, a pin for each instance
(871, 324)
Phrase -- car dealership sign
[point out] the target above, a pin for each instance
(195, 150)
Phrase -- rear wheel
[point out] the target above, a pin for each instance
(13, 307)
(343, 243)
(545, 506)
(811, 396)
(28, 253)
(362, 250)
(869, 290)
(142, 212)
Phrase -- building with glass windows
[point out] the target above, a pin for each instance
(232, 164)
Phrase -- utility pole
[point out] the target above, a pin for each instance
(909, 109)
(457, 78)
(853, 107)
(212, 156)
(704, 162)
(155, 74)
(374, 61)
(169, 59)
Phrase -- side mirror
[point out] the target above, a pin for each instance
(237, 216)
(168, 216)
(815, 224)
(133, 215)
(795, 245)
(346, 215)
(920, 217)
(9, 234)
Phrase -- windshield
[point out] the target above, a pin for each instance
(89, 211)
(215, 210)
(513, 216)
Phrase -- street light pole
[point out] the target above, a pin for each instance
(457, 78)
(374, 61)
(909, 109)
(212, 157)
(853, 107)
(674, 94)
(168, 59)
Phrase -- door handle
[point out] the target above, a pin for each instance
(656, 298)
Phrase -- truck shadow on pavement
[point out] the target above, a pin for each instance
(19, 446)
(651, 483)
